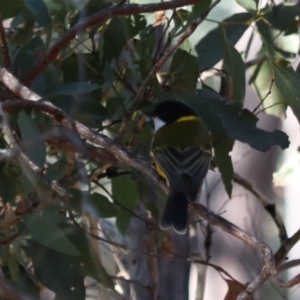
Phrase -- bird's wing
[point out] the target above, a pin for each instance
(192, 162)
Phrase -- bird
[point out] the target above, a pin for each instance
(182, 151)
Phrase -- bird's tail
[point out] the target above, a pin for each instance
(175, 213)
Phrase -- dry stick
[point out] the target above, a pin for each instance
(270, 208)
(3, 43)
(281, 253)
(268, 270)
(124, 155)
(139, 96)
(96, 19)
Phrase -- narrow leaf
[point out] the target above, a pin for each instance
(212, 47)
(49, 235)
(287, 81)
(235, 67)
(39, 10)
(125, 192)
(223, 159)
(249, 5)
(59, 272)
(73, 88)
(30, 133)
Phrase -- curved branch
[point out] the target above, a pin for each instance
(270, 208)
(136, 161)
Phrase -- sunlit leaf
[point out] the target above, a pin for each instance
(249, 5)
(273, 102)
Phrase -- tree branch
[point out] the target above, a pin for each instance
(100, 17)
(139, 96)
(270, 208)
(137, 162)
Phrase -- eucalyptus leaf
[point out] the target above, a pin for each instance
(9, 9)
(249, 5)
(240, 124)
(91, 264)
(39, 10)
(273, 102)
(125, 193)
(73, 88)
(30, 134)
(222, 154)
(287, 82)
(211, 48)
(235, 67)
(57, 271)
(49, 234)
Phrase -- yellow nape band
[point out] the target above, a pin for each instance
(188, 118)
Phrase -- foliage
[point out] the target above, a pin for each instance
(96, 78)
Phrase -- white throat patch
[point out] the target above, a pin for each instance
(158, 123)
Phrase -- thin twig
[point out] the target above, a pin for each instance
(3, 43)
(268, 270)
(137, 162)
(97, 18)
(139, 98)
(270, 208)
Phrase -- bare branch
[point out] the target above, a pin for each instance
(270, 208)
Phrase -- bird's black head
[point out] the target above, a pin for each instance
(170, 111)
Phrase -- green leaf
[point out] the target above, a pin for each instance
(30, 180)
(9, 9)
(8, 187)
(235, 67)
(30, 134)
(125, 193)
(118, 32)
(96, 204)
(183, 71)
(59, 272)
(223, 116)
(14, 269)
(91, 264)
(48, 234)
(284, 17)
(223, 159)
(102, 207)
(29, 55)
(273, 103)
(57, 170)
(212, 47)
(287, 82)
(73, 88)
(249, 5)
(39, 10)
(108, 75)
(200, 8)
